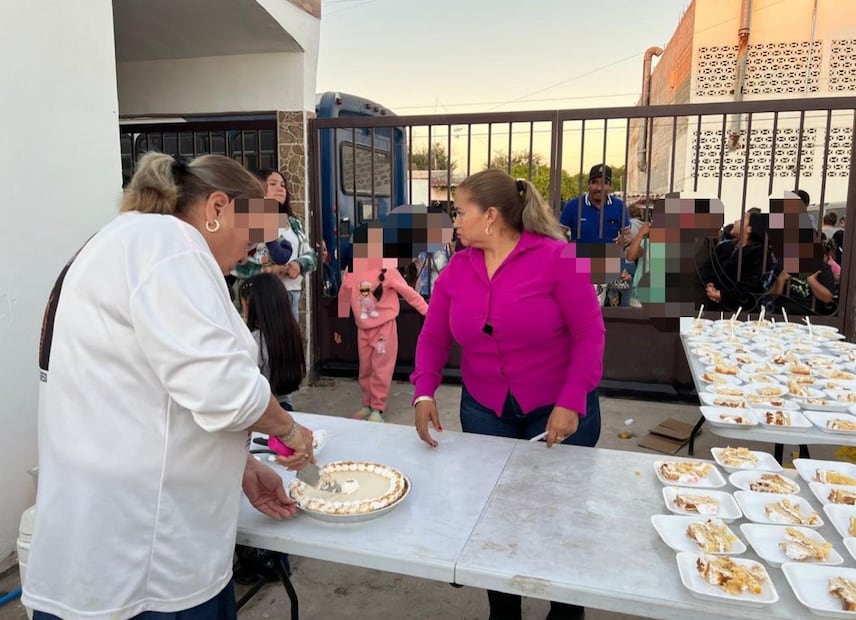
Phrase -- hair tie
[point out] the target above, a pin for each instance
(180, 166)
(521, 186)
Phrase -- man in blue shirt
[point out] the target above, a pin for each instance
(595, 217)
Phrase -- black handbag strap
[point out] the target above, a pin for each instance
(46, 338)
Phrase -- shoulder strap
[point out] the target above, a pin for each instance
(46, 338)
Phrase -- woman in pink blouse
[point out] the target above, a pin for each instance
(525, 313)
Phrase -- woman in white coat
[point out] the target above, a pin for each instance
(146, 407)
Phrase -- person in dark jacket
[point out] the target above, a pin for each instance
(737, 272)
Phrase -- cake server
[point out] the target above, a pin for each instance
(310, 474)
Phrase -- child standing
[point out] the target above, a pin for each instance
(372, 292)
(266, 307)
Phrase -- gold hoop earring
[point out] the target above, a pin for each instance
(214, 228)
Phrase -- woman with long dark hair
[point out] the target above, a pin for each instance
(738, 272)
(266, 306)
(304, 259)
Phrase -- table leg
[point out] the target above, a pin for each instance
(282, 571)
(778, 452)
(695, 432)
(804, 451)
(254, 589)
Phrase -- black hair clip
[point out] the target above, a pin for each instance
(180, 166)
(521, 186)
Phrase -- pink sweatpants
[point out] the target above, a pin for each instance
(378, 351)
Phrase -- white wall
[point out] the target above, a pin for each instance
(235, 83)
(242, 83)
(775, 21)
(306, 30)
(61, 178)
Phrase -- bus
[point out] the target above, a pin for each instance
(362, 172)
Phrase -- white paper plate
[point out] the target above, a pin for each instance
(691, 324)
(840, 346)
(774, 402)
(845, 397)
(765, 540)
(698, 587)
(673, 530)
(839, 375)
(821, 360)
(807, 468)
(765, 461)
(821, 418)
(810, 583)
(809, 347)
(742, 359)
(821, 491)
(742, 480)
(839, 515)
(798, 421)
(728, 510)
(726, 389)
(721, 379)
(713, 479)
(758, 377)
(835, 385)
(765, 389)
(824, 404)
(810, 392)
(850, 545)
(761, 369)
(715, 400)
(798, 370)
(753, 506)
(724, 416)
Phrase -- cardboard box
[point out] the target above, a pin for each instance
(668, 437)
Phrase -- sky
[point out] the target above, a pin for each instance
(491, 55)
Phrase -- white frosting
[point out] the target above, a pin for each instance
(350, 486)
(365, 487)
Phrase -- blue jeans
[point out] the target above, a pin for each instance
(295, 305)
(221, 607)
(517, 424)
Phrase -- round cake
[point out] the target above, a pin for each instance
(366, 487)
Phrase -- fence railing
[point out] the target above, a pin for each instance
(742, 154)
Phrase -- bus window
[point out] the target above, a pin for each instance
(364, 170)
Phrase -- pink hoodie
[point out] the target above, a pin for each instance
(546, 336)
(388, 306)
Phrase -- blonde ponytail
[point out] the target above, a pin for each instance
(537, 216)
(166, 185)
(153, 188)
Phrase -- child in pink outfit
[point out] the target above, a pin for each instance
(373, 297)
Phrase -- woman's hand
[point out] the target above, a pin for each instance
(263, 487)
(713, 293)
(426, 410)
(277, 270)
(301, 443)
(292, 269)
(561, 424)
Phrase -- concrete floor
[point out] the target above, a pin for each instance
(336, 592)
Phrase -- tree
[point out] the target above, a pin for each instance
(571, 185)
(439, 158)
(520, 165)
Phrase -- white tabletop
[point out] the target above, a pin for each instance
(573, 524)
(421, 537)
(759, 433)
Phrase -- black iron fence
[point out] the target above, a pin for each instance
(741, 155)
